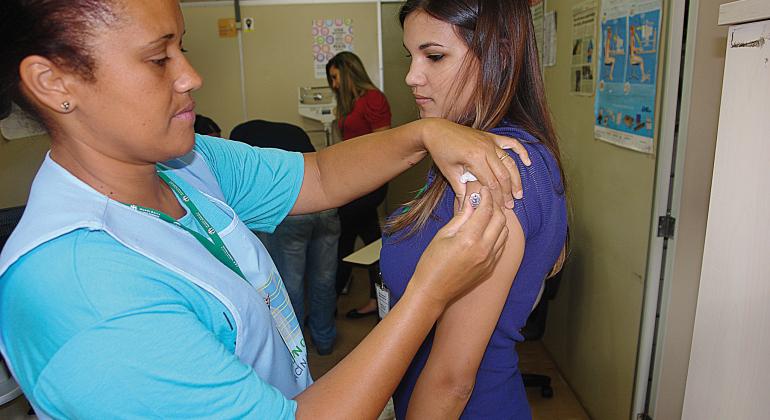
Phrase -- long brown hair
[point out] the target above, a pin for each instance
(503, 53)
(354, 81)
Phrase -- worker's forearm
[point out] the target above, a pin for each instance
(363, 381)
(348, 170)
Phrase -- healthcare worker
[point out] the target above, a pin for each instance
(133, 286)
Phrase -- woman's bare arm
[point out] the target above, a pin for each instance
(463, 252)
(462, 335)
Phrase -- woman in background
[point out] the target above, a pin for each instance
(361, 109)
(475, 62)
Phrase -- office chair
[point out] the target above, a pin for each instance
(278, 135)
(534, 330)
(9, 218)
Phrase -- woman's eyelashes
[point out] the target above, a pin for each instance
(431, 57)
(160, 62)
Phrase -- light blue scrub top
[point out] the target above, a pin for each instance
(83, 299)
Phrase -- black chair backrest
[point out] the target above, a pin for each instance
(535, 327)
(278, 135)
(9, 218)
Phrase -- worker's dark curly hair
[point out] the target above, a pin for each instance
(59, 30)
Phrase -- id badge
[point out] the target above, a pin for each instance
(383, 298)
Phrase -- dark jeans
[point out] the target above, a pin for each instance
(359, 218)
(305, 247)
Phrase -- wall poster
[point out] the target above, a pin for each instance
(583, 48)
(537, 9)
(624, 107)
(549, 39)
(330, 36)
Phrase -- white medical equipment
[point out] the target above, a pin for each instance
(19, 125)
(9, 390)
(318, 103)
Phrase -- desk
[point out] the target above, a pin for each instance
(367, 256)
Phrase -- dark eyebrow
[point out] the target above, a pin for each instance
(160, 40)
(165, 38)
(429, 44)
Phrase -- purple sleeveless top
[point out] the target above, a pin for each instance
(499, 391)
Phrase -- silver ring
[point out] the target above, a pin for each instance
(475, 199)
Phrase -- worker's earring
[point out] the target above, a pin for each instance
(65, 106)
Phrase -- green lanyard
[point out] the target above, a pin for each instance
(213, 243)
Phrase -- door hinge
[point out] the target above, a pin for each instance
(666, 227)
(643, 416)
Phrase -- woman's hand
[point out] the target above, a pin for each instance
(456, 149)
(463, 252)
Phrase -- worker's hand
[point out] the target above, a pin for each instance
(457, 149)
(463, 252)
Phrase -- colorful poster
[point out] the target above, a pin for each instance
(330, 36)
(624, 108)
(583, 48)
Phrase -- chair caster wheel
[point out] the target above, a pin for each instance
(546, 392)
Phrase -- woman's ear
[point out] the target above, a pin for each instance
(46, 84)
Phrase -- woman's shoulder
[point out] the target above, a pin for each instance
(374, 93)
(220, 152)
(544, 163)
(375, 108)
(374, 96)
(67, 284)
(90, 267)
(544, 200)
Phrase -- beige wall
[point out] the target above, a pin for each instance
(216, 59)
(276, 69)
(278, 59)
(704, 65)
(402, 104)
(593, 323)
(19, 161)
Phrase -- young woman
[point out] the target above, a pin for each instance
(475, 63)
(361, 109)
(133, 286)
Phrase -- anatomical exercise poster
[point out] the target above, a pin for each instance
(627, 64)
